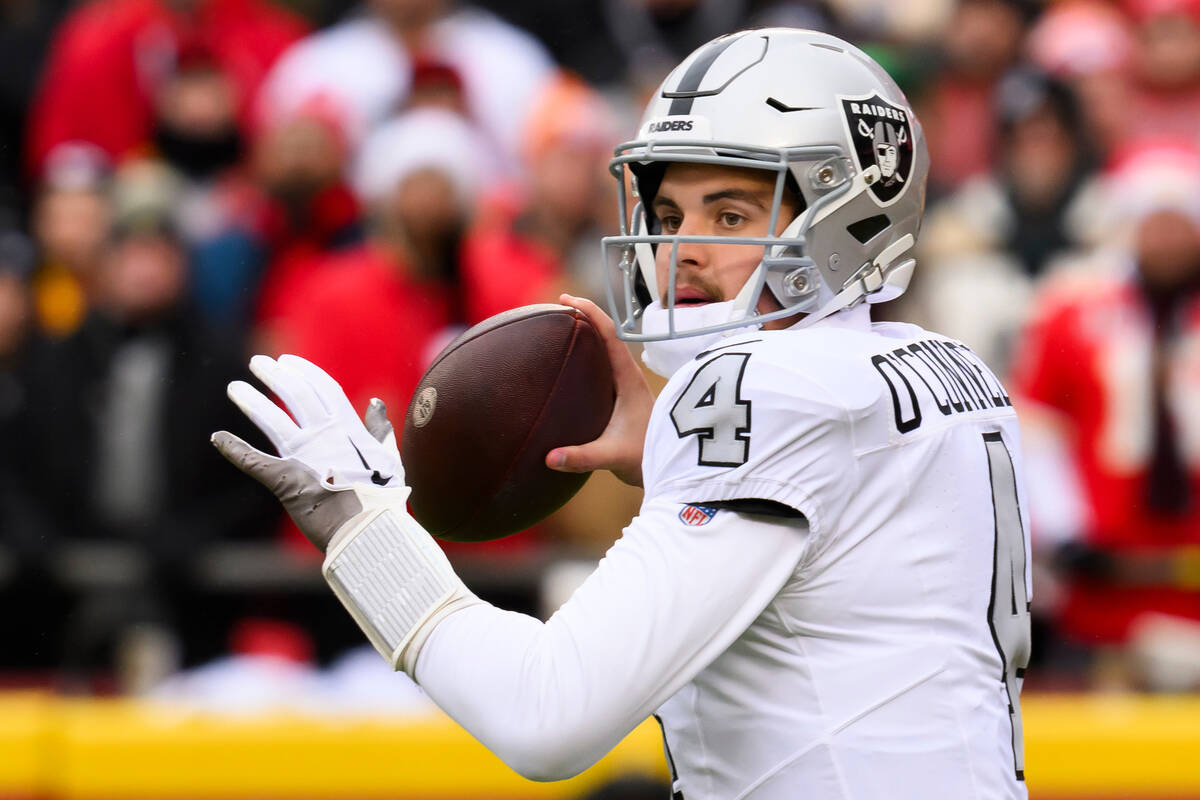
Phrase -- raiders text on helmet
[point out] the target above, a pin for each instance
(669, 125)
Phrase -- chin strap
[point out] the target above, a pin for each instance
(878, 283)
(664, 357)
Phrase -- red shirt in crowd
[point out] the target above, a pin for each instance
(362, 317)
(951, 107)
(502, 269)
(1163, 115)
(109, 59)
(1088, 355)
(297, 248)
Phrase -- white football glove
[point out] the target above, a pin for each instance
(343, 485)
(330, 467)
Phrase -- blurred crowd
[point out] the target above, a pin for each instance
(186, 182)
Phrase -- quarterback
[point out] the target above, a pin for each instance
(825, 593)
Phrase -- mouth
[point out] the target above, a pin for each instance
(691, 296)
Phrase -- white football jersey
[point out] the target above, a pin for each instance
(872, 647)
(890, 663)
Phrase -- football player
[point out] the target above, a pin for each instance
(825, 593)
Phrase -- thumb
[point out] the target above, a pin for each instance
(377, 421)
(258, 465)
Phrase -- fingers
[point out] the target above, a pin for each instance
(595, 315)
(572, 459)
(265, 469)
(624, 367)
(619, 448)
(602, 453)
(617, 455)
(269, 417)
(612, 454)
(332, 396)
(377, 420)
(292, 388)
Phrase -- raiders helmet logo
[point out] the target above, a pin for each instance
(883, 138)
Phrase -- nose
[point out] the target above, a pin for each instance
(692, 254)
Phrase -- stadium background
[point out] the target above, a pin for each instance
(186, 182)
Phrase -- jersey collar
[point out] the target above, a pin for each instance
(666, 356)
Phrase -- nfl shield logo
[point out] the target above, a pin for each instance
(696, 515)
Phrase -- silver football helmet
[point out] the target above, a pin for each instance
(837, 132)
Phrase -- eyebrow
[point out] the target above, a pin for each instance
(725, 194)
(735, 194)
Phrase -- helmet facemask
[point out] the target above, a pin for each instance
(785, 270)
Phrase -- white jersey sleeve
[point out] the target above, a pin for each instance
(735, 426)
(669, 597)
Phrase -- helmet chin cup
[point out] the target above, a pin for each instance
(895, 283)
(886, 277)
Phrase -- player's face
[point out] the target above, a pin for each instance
(712, 200)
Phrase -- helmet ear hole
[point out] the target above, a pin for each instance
(867, 229)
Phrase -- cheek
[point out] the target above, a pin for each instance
(736, 267)
(662, 264)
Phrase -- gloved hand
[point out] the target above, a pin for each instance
(331, 467)
(343, 484)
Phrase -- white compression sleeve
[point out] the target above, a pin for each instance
(551, 699)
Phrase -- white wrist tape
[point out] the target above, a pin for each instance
(395, 581)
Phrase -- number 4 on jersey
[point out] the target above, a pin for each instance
(712, 408)
(1008, 608)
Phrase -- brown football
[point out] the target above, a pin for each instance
(489, 408)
